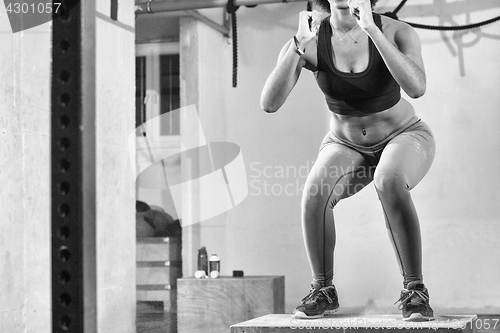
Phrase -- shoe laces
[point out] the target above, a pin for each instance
(323, 291)
(314, 294)
(408, 294)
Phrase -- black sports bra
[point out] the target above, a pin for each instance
(370, 91)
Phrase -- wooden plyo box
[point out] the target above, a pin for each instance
(158, 261)
(213, 305)
(355, 323)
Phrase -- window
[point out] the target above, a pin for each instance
(140, 90)
(169, 94)
(158, 88)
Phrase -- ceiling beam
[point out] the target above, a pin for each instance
(151, 7)
(220, 28)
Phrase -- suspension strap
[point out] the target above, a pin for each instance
(393, 15)
(231, 8)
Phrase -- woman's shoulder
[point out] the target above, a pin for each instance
(391, 27)
(390, 23)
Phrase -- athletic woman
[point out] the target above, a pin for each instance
(361, 60)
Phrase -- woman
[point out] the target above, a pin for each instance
(361, 60)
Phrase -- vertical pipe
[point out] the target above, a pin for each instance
(88, 132)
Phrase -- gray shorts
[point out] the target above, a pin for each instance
(372, 153)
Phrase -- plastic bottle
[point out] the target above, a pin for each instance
(203, 260)
(214, 263)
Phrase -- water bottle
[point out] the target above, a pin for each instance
(214, 263)
(203, 260)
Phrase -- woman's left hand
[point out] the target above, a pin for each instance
(362, 11)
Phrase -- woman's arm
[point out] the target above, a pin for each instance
(404, 60)
(283, 78)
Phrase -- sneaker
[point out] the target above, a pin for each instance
(415, 302)
(317, 303)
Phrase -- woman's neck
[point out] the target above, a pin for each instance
(342, 19)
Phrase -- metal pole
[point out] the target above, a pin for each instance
(152, 7)
(73, 168)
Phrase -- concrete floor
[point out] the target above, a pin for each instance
(152, 319)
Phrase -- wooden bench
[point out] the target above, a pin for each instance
(213, 305)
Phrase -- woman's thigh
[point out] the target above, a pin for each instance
(406, 158)
(338, 172)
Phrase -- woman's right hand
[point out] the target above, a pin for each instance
(309, 23)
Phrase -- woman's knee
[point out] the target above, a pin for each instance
(390, 182)
(316, 197)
